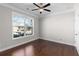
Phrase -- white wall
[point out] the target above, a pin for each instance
(58, 28)
(6, 30)
(77, 26)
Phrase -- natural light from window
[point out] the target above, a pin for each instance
(21, 25)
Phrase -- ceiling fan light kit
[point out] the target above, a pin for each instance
(42, 8)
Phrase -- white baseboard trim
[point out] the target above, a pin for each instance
(1, 50)
(57, 41)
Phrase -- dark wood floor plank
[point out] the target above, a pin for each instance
(42, 47)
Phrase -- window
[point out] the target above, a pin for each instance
(28, 27)
(21, 25)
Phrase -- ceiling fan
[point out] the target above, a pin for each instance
(42, 8)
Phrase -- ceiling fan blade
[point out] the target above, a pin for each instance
(34, 9)
(46, 5)
(36, 5)
(47, 10)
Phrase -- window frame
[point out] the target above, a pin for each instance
(27, 17)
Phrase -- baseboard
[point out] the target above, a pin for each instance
(1, 50)
(56, 41)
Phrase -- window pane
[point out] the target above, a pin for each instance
(18, 26)
(28, 27)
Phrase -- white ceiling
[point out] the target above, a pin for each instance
(54, 7)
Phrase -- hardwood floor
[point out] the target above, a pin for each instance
(42, 48)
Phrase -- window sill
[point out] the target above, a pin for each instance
(22, 37)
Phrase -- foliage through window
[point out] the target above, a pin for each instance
(21, 25)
